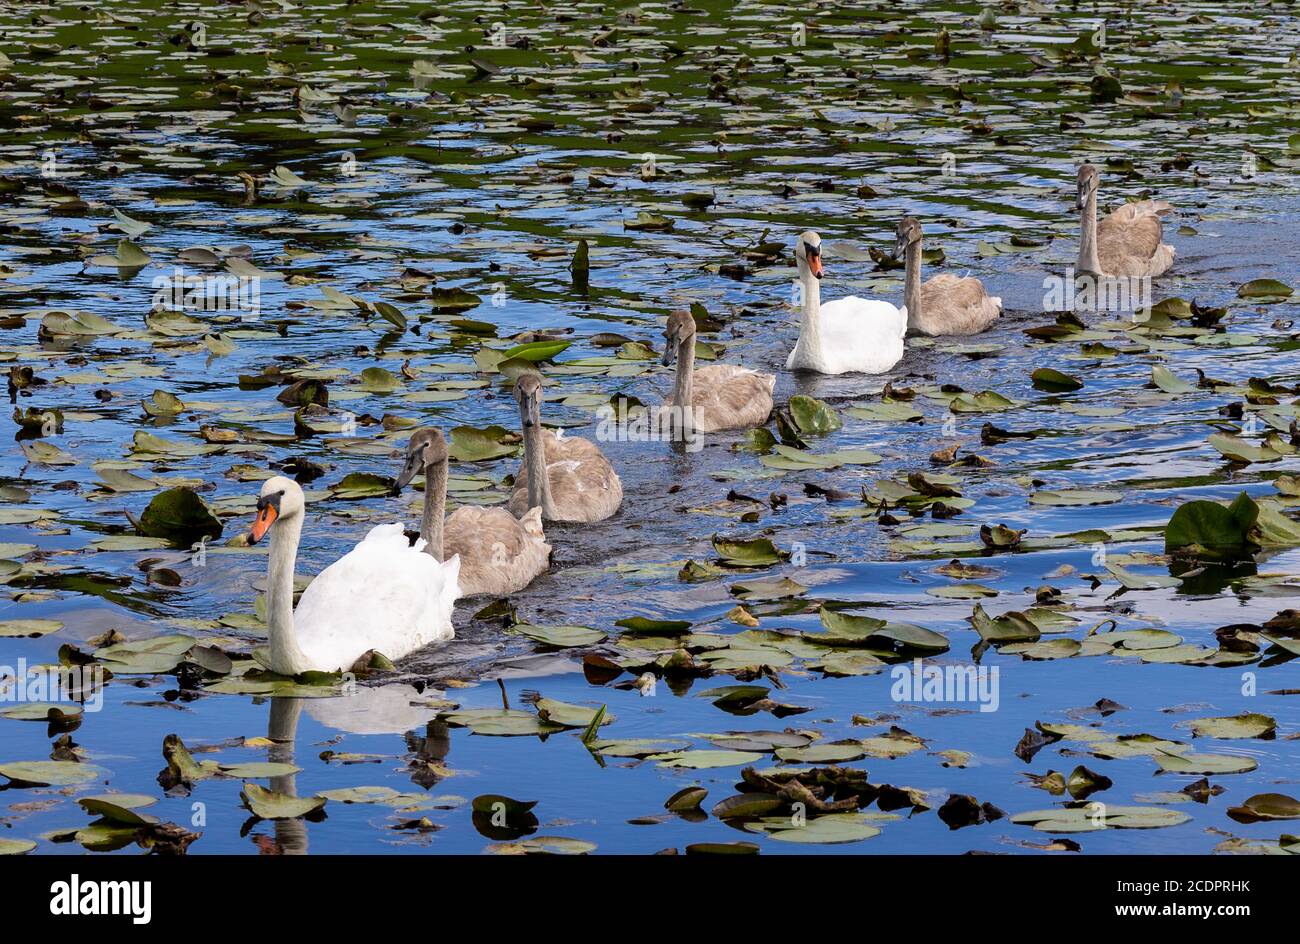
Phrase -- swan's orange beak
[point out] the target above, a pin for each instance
(266, 515)
(815, 265)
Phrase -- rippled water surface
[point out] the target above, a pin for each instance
(393, 153)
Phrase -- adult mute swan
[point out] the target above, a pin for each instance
(850, 334)
(1125, 243)
(945, 304)
(498, 553)
(720, 396)
(383, 595)
(568, 477)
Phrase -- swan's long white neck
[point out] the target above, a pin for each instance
(810, 331)
(286, 657)
(684, 386)
(1088, 262)
(435, 501)
(539, 479)
(912, 282)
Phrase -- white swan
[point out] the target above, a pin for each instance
(847, 335)
(383, 595)
(498, 553)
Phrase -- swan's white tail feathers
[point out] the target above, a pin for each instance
(451, 585)
(386, 532)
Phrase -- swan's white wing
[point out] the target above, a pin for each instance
(863, 334)
(856, 318)
(383, 594)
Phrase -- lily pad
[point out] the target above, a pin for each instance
(269, 804)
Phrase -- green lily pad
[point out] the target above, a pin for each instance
(561, 637)
(830, 829)
(701, 759)
(1070, 497)
(822, 753)
(1266, 806)
(1205, 763)
(42, 711)
(567, 715)
(269, 804)
(1053, 381)
(813, 417)
(758, 552)
(50, 773)
(479, 445)
(1246, 725)
(501, 722)
(29, 627)
(180, 515)
(1264, 288)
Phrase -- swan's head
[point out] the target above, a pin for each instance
(909, 231)
(280, 498)
(680, 330)
(426, 449)
(528, 394)
(1089, 179)
(808, 253)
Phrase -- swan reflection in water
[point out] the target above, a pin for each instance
(396, 708)
(379, 710)
(290, 834)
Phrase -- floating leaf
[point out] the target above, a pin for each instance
(180, 515)
(1053, 381)
(1246, 725)
(50, 773)
(1264, 288)
(268, 804)
(560, 636)
(813, 417)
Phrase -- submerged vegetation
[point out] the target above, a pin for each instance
(978, 602)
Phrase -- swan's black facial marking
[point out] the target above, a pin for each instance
(528, 394)
(413, 467)
(268, 510)
(272, 501)
(813, 255)
(530, 409)
(909, 231)
(670, 348)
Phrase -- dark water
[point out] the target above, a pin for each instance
(448, 181)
